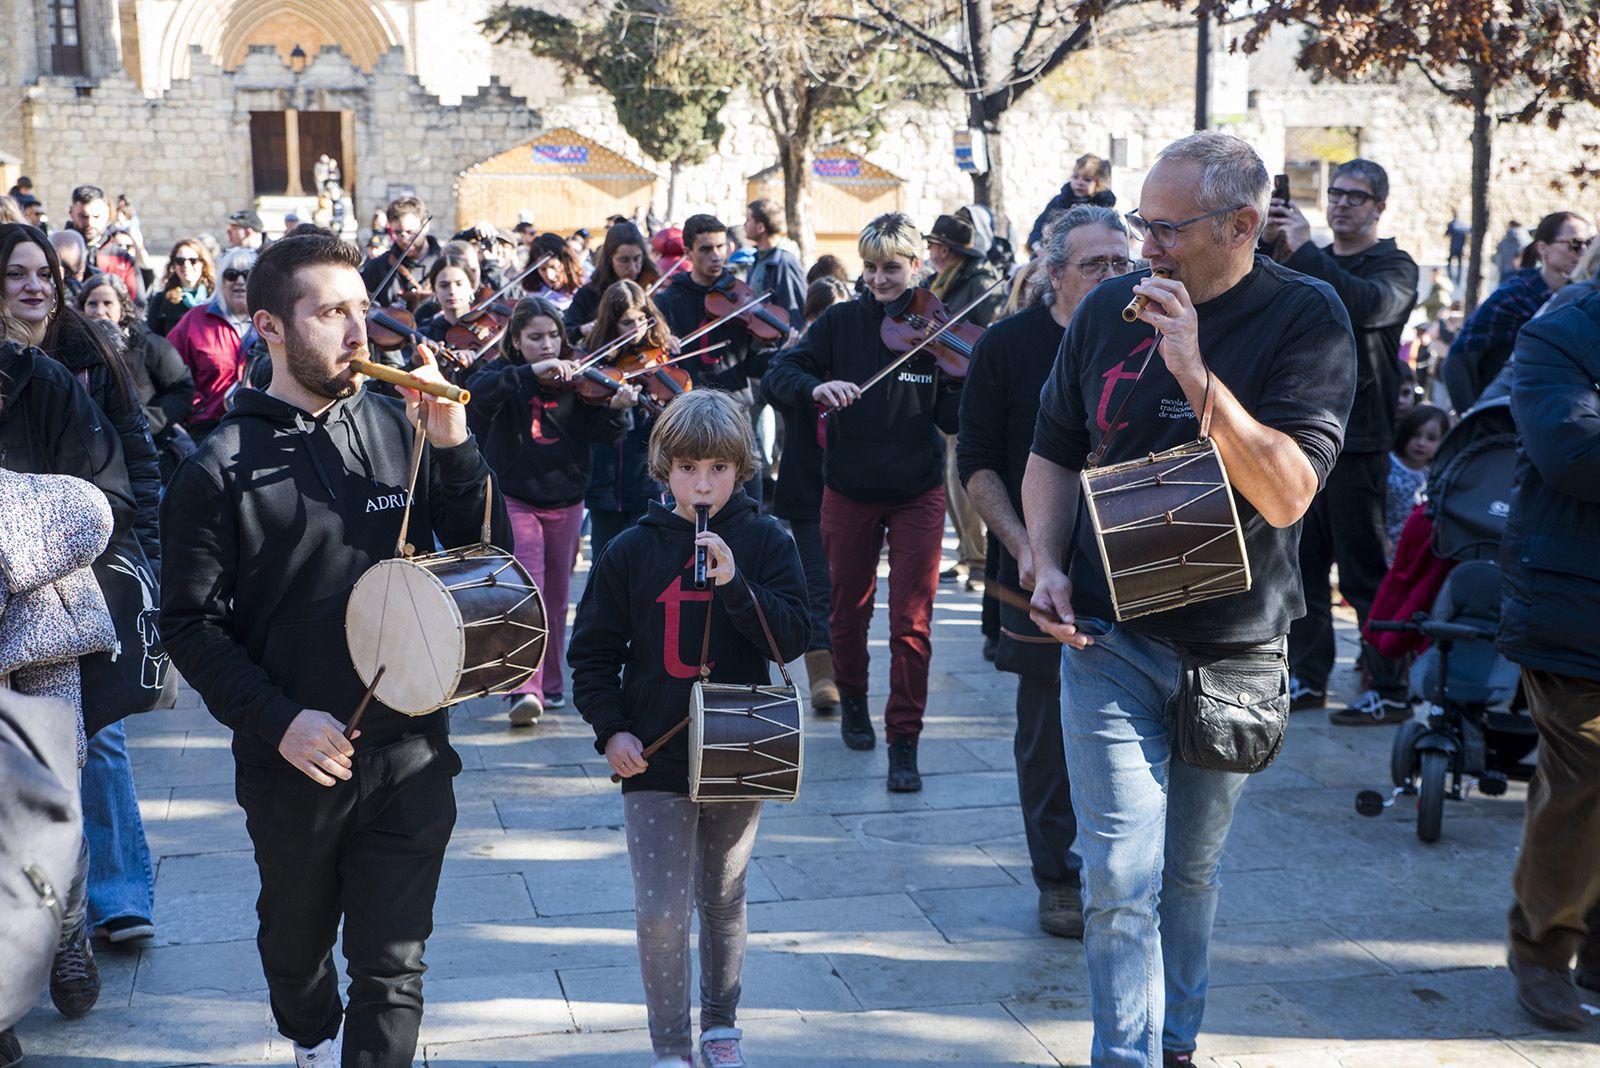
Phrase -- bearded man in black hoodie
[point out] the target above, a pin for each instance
(297, 493)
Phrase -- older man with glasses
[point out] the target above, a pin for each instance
(1269, 352)
(1377, 283)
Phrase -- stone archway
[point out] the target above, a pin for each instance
(225, 30)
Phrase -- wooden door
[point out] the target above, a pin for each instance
(269, 153)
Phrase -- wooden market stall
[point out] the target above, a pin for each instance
(565, 180)
(847, 192)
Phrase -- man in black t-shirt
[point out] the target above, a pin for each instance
(1273, 351)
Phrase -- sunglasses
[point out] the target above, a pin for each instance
(1578, 244)
(232, 275)
(185, 261)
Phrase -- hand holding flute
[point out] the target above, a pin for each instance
(1130, 314)
(431, 402)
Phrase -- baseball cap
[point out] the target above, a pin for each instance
(247, 218)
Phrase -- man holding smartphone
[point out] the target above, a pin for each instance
(1377, 283)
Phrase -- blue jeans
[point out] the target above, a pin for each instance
(121, 879)
(1150, 883)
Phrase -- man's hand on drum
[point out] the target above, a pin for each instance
(719, 558)
(1051, 609)
(625, 755)
(447, 420)
(315, 745)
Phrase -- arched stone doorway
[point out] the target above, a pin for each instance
(225, 29)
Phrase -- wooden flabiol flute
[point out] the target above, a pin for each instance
(1136, 305)
(385, 373)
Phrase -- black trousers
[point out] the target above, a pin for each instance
(368, 851)
(807, 535)
(1345, 526)
(1047, 817)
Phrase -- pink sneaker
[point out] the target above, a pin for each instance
(719, 1048)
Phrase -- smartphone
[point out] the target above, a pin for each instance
(1280, 187)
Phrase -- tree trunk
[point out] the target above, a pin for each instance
(1482, 133)
(984, 110)
(672, 190)
(989, 188)
(795, 156)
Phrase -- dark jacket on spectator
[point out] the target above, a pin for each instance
(161, 378)
(1489, 335)
(1550, 556)
(1061, 202)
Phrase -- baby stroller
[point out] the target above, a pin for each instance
(1445, 605)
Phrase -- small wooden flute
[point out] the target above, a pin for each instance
(1130, 314)
(385, 373)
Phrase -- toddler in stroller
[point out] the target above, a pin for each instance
(1441, 600)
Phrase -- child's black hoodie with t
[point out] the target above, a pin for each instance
(641, 615)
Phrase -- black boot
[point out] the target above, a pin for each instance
(855, 721)
(10, 1049)
(903, 775)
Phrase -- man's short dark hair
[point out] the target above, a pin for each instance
(405, 206)
(85, 193)
(696, 225)
(1373, 174)
(275, 284)
(769, 213)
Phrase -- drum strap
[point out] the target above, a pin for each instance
(761, 617)
(1116, 420)
(419, 438)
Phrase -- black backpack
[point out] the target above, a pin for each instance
(1470, 484)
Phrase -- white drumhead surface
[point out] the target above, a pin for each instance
(402, 617)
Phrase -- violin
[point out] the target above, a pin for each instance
(730, 297)
(478, 325)
(924, 317)
(391, 328)
(650, 365)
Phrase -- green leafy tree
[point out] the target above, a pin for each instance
(668, 91)
(1504, 60)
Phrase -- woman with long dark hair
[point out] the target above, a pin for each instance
(559, 280)
(189, 281)
(622, 258)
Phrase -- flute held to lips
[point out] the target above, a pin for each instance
(1136, 305)
(385, 373)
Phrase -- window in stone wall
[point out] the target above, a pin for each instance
(66, 46)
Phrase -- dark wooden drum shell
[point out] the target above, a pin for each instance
(745, 743)
(1168, 531)
(447, 627)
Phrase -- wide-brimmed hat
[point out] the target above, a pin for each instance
(953, 232)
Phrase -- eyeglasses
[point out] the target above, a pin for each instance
(1578, 244)
(185, 261)
(1104, 268)
(1166, 234)
(231, 275)
(1353, 197)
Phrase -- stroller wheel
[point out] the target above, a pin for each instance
(1403, 753)
(1430, 791)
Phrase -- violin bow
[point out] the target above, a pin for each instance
(677, 359)
(704, 330)
(403, 254)
(889, 368)
(664, 276)
(473, 312)
(611, 346)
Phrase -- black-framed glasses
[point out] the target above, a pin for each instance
(1166, 234)
(1337, 194)
(1104, 267)
(232, 275)
(1577, 244)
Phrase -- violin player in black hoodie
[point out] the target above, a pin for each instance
(296, 494)
(641, 618)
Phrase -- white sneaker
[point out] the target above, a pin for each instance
(325, 1054)
(719, 1048)
(526, 710)
(673, 1062)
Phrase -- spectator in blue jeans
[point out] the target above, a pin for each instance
(121, 878)
(1268, 353)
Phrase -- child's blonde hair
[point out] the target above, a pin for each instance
(889, 236)
(703, 424)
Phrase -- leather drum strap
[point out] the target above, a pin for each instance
(419, 438)
(766, 629)
(1116, 420)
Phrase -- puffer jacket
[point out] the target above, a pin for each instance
(1550, 556)
(52, 527)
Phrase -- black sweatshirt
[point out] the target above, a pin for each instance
(1378, 287)
(886, 446)
(537, 441)
(641, 615)
(585, 307)
(266, 529)
(1281, 342)
(682, 302)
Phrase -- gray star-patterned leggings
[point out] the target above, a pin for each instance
(685, 853)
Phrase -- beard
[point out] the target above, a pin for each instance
(311, 371)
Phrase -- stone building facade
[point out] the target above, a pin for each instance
(195, 108)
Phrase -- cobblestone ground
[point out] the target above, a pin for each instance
(885, 929)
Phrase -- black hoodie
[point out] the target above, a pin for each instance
(683, 304)
(537, 440)
(641, 614)
(265, 530)
(886, 447)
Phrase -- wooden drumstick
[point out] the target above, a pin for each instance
(385, 373)
(657, 744)
(366, 699)
(1019, 601)
(1130, 314)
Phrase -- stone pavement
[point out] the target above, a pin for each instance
(885, 929)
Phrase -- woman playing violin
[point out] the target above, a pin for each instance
(622, 259)
(559, 280)
(537, 435)
(453, 278)
(622, 488)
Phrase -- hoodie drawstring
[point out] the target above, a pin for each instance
(306, 427)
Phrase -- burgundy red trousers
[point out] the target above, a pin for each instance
(853, 534)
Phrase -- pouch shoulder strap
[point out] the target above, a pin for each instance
(1116, 420)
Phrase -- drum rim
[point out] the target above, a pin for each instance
(697, 739)
(455, 611)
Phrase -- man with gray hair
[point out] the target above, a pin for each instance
(1268, 352)
(1084, 246)
(1377, 282)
